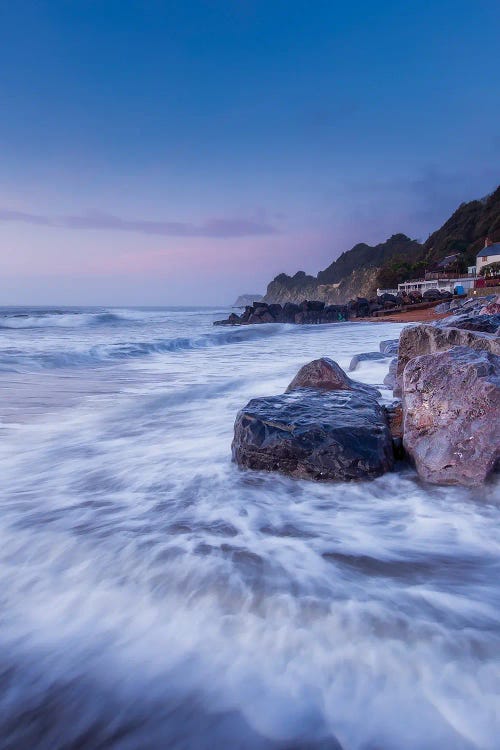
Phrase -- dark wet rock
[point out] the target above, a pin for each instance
(395, 419)
(276, 311)
(334, 313)
(365, 357)
(387, 297)
(436, 294)
(312, 305)
(326, 375)
(428, 339)
(290, 309)
(308, 312)
(360, 307)
(307, 317)
(264, 317)
(451, 406)
(389, 347)
(246, 314)
(390, 378)
(473, 322)
(310, 434)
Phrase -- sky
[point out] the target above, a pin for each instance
(161, 152)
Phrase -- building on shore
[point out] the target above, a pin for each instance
(441, 282)
(444, 279)
(488, 255)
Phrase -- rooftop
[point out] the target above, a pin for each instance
(489, 250)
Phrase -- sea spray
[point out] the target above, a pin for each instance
(155, 596)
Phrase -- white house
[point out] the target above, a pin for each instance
(489, 254)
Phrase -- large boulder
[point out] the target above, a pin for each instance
(334, 314)
(451, 408)
(312, 305)
(326, 375)
(431, 294)
(290, 309)
(340, 435)
(428, 339)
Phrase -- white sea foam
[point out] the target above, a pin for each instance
(155, 596)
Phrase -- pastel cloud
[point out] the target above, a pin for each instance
(213, 227)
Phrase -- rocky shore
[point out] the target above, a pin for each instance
(445, 420)
(316, 311)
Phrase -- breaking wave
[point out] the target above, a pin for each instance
(153, 596)
(56, 319)
(14, 360)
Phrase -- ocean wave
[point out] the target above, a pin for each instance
(17, 360)
(57, 319)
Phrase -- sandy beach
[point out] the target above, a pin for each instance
(428, 315)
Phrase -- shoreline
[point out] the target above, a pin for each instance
(428, 315)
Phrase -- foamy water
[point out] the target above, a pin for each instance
(154, 596)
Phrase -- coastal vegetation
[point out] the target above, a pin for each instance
(364, 268)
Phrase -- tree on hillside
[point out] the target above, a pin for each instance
(491, 270)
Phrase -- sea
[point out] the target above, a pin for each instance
(153, 596)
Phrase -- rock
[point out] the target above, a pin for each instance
(474, 322)
(428, 339)
(276, 311)
(340, 435)
(223, 323)
(365, 357)
(312, 305)
(326, 375)
(266, 317)
(334, 314)
(431, 294)
(387, 297)
(442, 308)
(389, 347)
(395, 419)
(245, 316)
(309, 311)
(451, 408)
(492, 308)
(390, 378)
(290, 309)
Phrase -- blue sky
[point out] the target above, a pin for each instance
(168, 152)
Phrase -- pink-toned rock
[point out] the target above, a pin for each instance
(451, 411)
(492, 308)
(428, 339)
(326, 375)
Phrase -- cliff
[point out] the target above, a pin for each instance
(353, 274)
(359, 271)
(465, 230)
(247, 299)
